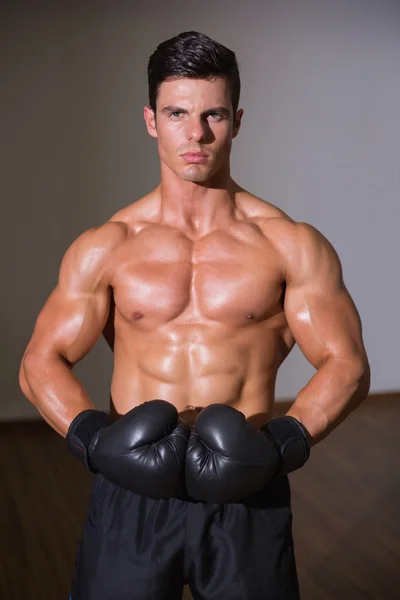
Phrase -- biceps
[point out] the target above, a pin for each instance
(69, 325)
(324, 325)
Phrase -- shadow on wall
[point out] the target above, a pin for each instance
(54, 169)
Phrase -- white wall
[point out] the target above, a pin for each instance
(321, 94)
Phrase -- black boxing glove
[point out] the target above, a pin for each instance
(228, 460)
(291, 439)
(143, 451)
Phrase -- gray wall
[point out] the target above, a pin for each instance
(321, 94)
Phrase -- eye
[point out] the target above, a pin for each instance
(216, 116)
(175, 113)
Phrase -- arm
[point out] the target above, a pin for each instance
(109, 331)
(327, 327)
(68, 326)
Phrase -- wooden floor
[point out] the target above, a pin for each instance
(346, 507)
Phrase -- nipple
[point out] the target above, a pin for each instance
(137, 315)
(250, 316)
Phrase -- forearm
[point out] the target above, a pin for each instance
(337, 388)
(50, 385)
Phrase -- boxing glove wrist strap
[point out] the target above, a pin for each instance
(291, 439)
(81, 432)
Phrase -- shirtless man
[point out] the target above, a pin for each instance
(202, 290)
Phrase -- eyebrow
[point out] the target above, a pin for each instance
(221, 109)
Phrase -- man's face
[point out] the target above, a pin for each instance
(194, 126)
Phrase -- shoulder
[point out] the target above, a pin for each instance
(313, 251)
(254, 207)
(307, 254)
(98, 240)
(303, 250)
(88, 256)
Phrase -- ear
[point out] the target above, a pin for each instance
(237, 122)
(150, 121)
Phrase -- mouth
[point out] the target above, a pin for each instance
(194, 157)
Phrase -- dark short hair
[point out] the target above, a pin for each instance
(195, 55)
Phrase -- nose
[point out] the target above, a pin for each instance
(197, 129)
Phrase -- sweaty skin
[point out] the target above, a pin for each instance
(199, 314)
(197, 320)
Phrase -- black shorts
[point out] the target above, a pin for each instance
(136, 548)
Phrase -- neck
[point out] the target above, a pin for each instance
(197, 208)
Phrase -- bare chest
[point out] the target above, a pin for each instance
(231, 277)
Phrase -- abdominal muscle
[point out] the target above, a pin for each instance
(193, 366)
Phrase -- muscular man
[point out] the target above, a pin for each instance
(202, 290)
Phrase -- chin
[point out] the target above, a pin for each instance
(196, 175)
